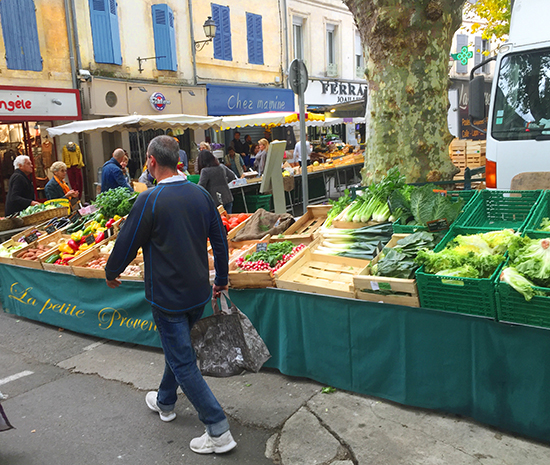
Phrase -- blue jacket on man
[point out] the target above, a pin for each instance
(112, 176)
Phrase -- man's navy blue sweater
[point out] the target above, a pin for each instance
(172, 222)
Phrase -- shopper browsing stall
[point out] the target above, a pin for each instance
(20, 190)
(235, 162)
(112, 175)
(259, 162)
(57, 188)
(215, 177)
(177, 282)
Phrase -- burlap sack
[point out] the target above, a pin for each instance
(263, 222)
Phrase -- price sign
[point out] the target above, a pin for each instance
(261, 246)
(74, 217)
(109, 232)
(438, 225)
(90, 239)
(31, 238)
(50, 229)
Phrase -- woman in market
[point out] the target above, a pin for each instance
(235, 162)
(56, 187)
(20, 190)
(124, 166)
(259, 162)
(215, 177)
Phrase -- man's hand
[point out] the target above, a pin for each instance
(34, 202)
(217, 290)
(113, 283)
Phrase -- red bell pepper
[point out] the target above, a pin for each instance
(110, 223)
(73, 245)
(100, 236)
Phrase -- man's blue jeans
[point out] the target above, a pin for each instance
(181, 370)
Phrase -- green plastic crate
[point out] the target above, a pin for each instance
(194, 178)
(542, 210)
(468, 196)
(458, 295)
(253, 202)
(513, 308)
(492, 210)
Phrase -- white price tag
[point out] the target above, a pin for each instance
(374, 286)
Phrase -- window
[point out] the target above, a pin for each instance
(20, 35)
(105, 32)
(332, 67)
(255, 39)
(461, 41)
(359, 59)
(165, 37)
(222, 41)
(298, 37)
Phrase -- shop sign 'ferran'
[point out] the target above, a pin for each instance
(158, 101)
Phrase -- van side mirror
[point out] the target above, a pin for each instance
(476, 99)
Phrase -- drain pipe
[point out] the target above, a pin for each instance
(192, 34)
(285, 28)
(68, 12)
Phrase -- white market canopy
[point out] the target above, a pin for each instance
(141, 122)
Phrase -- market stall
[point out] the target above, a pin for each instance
(327, 311)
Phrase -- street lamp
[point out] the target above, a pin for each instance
(209, 27)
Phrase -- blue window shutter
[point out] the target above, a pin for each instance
(115, 33)
(250, 38)
(258, 36)
(222, 41)
(461, 41)
(20, 35)
(165, 44)
(254, 39)
(105, 31)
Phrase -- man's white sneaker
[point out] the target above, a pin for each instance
(151, 401)
(207, 444)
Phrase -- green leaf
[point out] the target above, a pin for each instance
(328, 390)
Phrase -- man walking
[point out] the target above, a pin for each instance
(173, 213)
(111, 173)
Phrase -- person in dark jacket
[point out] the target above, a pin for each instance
(111, 173)
(20, 190)
(177, 285)
(215, 177)
(56, 187)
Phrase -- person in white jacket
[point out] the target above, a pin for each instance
(297, 158)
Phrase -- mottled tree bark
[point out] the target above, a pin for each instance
(407, 46)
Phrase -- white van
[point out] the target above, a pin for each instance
(518, 127)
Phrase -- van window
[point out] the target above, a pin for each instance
(522, 104)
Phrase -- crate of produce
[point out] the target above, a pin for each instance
(404, 291)
(30, 256)
(44, 215)
(468, 197)
(8, 249)
(342, 223)
(246, 274)
(10, 223)
(307, 225)
(499, 209)
(541, 213)
(235, 222)
(319, 274)
(470, 296)
(513, 308)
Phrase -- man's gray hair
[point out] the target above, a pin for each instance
(20, 161)
(165, 149)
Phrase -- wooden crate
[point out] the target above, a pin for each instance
(65, 269)
(8, 244)
(78, 264)
(136, 261)
(240, 279)
(231, 234)
(28, 263)
(319, 274)
(364, 280)
(308, 224)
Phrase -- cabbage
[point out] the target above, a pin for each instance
(427, 205)
(533, 261)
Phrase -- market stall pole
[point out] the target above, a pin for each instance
(298, 79)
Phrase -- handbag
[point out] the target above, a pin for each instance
(227, 343)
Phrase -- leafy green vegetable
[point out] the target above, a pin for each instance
(427, 205)
(464, 271)
(117, 201)
(521, 284)
(273, 254)
(545, 225)
(338, 207)
(38, 208)
(533, 261)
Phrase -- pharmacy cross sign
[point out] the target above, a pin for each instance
(463, 56)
